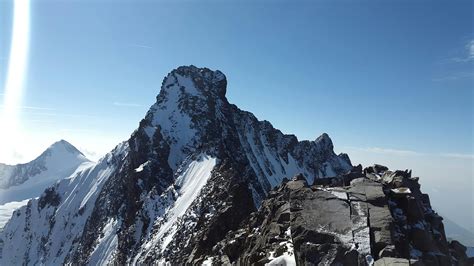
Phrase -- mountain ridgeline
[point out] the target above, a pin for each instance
(21, 182)
(196, 171)
(61, 153)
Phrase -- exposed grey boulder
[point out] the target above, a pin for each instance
(388, 251)
(387, 261)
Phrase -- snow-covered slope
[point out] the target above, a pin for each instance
(59, 157)
(19, 183)
(59, 215)
(195, 167)
(190, 182)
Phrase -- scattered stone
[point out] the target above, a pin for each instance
(392, 262)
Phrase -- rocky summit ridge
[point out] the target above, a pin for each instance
(369, 217)
(188, 178)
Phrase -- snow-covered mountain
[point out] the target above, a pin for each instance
(19, 183)
(195, 167)
(187, 184)
(60, 156)
(459, 233)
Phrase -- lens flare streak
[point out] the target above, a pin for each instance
(13, 91)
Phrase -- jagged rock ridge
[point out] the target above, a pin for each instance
(193, 170)
(378, 217)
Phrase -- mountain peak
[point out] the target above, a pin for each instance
(189, 100)
(324, 142)
(58, 161)
(63, 146)
(195, 81)
(324, 137)
(60, 152)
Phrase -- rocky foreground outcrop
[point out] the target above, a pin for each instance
(370, 217)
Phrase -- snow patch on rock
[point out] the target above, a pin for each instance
(104, 251)
(169, 115)
(193, 177)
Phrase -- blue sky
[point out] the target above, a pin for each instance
(390, 81)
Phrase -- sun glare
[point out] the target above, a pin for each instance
(13, 92)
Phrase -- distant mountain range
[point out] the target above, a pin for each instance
(457, 232)
(201, 181)
(19, 183)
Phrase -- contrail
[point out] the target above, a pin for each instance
(17, 66)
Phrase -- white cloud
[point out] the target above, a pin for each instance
(470, 49)
(17, 156)
(459, 67)
(60, 114)
(468, 53)
(80, 130)
(399, 152)
(39, 121)
(458, 155)
(30, 107)
(122, 104)
(455, 76)
(384, 150)
(90, 154)
(141, 46)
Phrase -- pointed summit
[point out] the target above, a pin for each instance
(195, 81)
(64, 146)
(187, 109)
(59, 158)
(324, 142)
(61, 152)
(19, 183)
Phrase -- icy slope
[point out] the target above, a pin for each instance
(189, 184)
(43, 230)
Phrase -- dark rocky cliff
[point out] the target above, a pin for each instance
(375, 217)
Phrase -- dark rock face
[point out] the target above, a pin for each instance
(418, 231)
(458, 252)
(49, 197)
(368, 221)
(264, 231)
